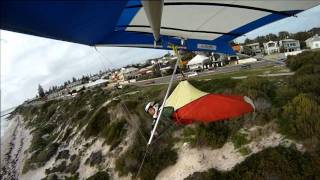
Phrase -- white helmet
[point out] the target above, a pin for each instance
(150, 104)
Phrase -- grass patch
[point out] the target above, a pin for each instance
(239, 139)
(244, 151)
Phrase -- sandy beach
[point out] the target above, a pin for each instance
(13, 145)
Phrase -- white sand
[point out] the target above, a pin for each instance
(191, 160)
(13, 147)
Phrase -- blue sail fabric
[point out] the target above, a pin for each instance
(112, 23)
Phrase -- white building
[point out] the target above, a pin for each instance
(197, 62)
(73, 84)
(271, 47)
(313, 42)
(128, 73)
(290, 45)
(254, 48)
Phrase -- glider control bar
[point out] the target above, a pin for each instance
(167, 94)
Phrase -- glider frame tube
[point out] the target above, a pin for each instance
(166, 96)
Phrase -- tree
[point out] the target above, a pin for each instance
(283, 34)
(40, 91)
(271, 37)
(248, 41)
(74, 79)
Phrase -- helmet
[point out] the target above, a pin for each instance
(150, 104)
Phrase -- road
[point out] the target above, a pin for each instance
(219, 70)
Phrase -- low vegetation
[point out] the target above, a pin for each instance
(291, 103)
(271, 163)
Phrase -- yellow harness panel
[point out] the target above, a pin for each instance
(183, 94)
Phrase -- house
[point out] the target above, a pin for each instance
(233, 59)
(128, 73)
(253, 49)
(289, 45)
(198, 62)
(73, 84)
(94, 78)
(313, 42)
(271, 47)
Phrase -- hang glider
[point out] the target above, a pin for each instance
(192, 105)
(201, 25)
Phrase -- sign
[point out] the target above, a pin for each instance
(207, 46)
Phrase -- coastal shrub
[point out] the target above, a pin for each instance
(73, 177)
(95, 158)
(98, 98)
(63, 154)
(255, 87)
(306, 83)
(51, 177)
(214, 134)
(43, 156)
(285, 94)
(81, 114)
(73, 166)
(159, 156)
(59, 168)
(214, 85)
(271, 163)
(301, 118)
(101, 175)
(97, 123)
(244, 151)
(114, 133)
(302, 59)
(239, 139)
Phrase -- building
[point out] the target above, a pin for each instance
(252, 49)
(313, 42)
(271, 47)
(198, 62)
(289, 45)
(73, 84)
(128, 73)
(233, 60)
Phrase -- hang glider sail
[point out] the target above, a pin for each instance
(203, 25)
(192, 105)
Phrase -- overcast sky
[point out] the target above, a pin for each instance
(27, 61)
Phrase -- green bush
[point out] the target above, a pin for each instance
(59, 168)
(244, 151)
(215, 85)
(255, 87)
(95, 158)
(271, 163)
(301, 118)
(43, 156)
(74, 165)
(302, 59)
(306, 83)
(97, 123)
(101, 175)
(239, 139)
(160, 155)
(114, 133)
(213, 134)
